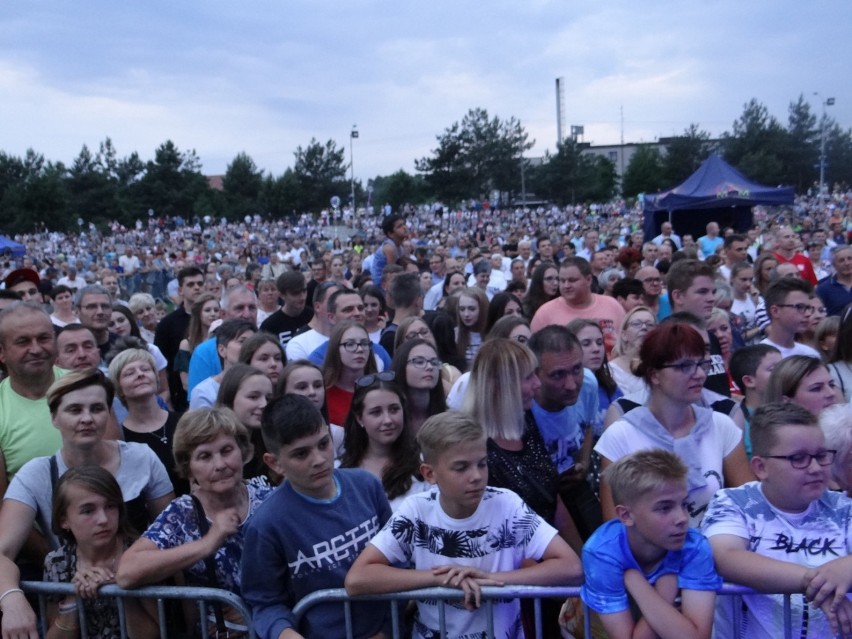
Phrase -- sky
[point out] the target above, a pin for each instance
(264, 77)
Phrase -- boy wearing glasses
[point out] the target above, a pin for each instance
(309, 532)
(784, 533)
(789, 309)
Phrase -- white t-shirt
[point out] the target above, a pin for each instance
(140, 473)
(712, 438)
(814, 537)
(304, 344)
(497, 537)
(797, 349)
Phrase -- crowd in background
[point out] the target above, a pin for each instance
(572, 338)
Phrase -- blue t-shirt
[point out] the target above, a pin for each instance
(563, 431)
(607, 555)
(709, 246)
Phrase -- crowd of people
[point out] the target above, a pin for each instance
(460, 398)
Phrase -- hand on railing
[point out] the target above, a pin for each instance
(469, 580)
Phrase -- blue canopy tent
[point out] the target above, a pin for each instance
(10, 248)
(716, 192)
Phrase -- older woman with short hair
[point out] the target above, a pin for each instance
(204, 530)
(836, 424)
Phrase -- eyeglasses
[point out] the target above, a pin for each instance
(550, 278)
(653, 280)
(372, 378)
(422, 362)
(352, 345)
(423, 333)
(800, 461)
(641, 324)
(807, 309)
(689, 366)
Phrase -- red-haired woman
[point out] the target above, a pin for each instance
(674, 364)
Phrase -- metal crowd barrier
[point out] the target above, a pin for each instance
(202, 597)
(489, 594)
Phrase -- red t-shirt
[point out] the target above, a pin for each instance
(806, 269)
(338, 402)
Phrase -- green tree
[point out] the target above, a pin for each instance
(172, 182)
(684, 154)
(475, 156)
(93, 190)
(242, 185)
(838, 155)
(321, 173)
(801, 156)
(644, 172)
(281, 196)
(757, 145)
(33, 193)
(572, 175)
(398, 189)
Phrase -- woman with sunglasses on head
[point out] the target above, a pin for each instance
(349, 357)
(636, 325)
(378, 439)
(674, 365)
(417, 368)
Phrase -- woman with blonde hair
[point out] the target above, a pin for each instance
(802, 380)
(636, 325)
(133, 373)
(499, 395)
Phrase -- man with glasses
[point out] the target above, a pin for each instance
(652, 292)
(787, 303)
(94, 308)
(173, 328)
(346, 304)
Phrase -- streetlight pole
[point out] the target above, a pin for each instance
(825, 103)
(352, 136)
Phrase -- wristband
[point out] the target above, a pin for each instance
(68, 608)
(9, 592)
(65, 628)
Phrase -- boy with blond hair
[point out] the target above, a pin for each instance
(463, 534)
(650, 554)
(784, 533)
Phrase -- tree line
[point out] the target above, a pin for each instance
(473, 158)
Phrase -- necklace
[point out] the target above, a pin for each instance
(162, 434)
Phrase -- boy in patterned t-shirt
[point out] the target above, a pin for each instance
(784, 533)
(462, 534)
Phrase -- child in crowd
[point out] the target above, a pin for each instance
(784, 533)
(750, 368)
(462, 534)
(650, 554)
(90, 518)
(310, 530)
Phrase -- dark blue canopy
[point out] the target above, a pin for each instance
(718, 187)
(11, 248)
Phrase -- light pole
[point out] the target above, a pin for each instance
(825, 103)
(352, 136)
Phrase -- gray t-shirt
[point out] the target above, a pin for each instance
(140, 474)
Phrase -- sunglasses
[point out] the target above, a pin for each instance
(372, 378)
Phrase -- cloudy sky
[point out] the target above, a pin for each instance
(264, 77)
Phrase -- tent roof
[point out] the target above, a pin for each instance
(11, 247)
(716, 184)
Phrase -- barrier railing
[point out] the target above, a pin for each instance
(489, 594)
(203, 597)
